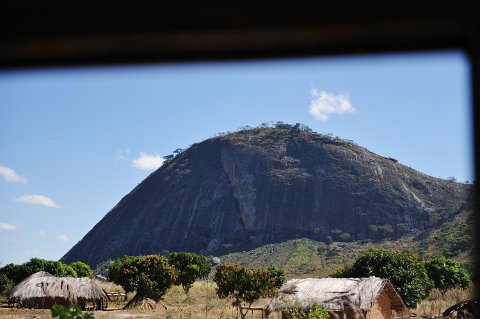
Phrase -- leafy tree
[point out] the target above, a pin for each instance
(82, 269)
(190, 267)
(125, 272)
(12, 272)
(328, 240)
(32, 266)
(62, 312)
(277, 274)
(447, 273)
(5, 284)
(245, 286)
(59, 269)
(402, 228)
(150, 276)
(344, 236)
(17, 273)
(406, 273)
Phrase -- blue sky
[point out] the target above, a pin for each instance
(75, 141)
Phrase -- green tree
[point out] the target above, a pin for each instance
(59, 269)
(345, 236)
(32, 266)
(19, 272)
(328, 240)
(5, 284)
(125, 272)
(277, 274)
(406, 273)
(150, 276)
(82, 269)
(12, 272)
(244, 285)
(447, 273)
(190, 267)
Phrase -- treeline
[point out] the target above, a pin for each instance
(412, 278)
(151, 276)
(12, 274)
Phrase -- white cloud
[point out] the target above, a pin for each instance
(9, 227)
(11, 176)
(148, 162)
(123, 155)
(40, 233)
(323, 104)
(36, 199)
(63, 237)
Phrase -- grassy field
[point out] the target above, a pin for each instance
(202, 303)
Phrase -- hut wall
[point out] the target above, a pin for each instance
(347, 314)
(382, 308)
(43, 303)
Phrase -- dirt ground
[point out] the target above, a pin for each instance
(171, 313)
(200, 303)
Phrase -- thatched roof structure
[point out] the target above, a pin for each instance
(43, 289)
(334, 294)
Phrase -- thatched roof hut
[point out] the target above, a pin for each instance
(43, 290)
(371, 297)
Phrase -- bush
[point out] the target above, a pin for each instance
(345, 236)
(406, 273)
(82, 269)
(447, 274)
(242, 284)
(62, 312)
(315, 312)
(5, 284)
(151, 276)
(190, 267)
(277, 274)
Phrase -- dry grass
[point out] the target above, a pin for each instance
(437, 303)
(202, 302)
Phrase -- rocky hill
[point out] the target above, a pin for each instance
(267, 185)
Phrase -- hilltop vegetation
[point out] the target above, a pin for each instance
(303, 258)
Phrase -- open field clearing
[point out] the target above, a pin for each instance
(202, 302)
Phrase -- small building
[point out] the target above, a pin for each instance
(43, 290)
(343, 298)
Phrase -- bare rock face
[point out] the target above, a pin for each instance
(267, 185)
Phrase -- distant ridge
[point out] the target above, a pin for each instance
(263, 185)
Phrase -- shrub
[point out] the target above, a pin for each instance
(406, 273)
(62, 312)
(190, 267)
(447, 274)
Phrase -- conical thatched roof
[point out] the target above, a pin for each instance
(43, 285)
(86, 289)
(333, 294)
